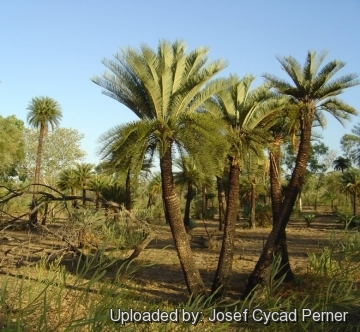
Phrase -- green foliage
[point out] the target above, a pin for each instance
(317, 159)
(263, 214)
(61, 150)
(80, 300)
(40, 304)
(308, 218)
(44, 111)
(11, 146)
(350, 144)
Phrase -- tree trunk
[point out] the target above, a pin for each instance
(33, 217)
(44, 219)
(73, 193)
(275, 191)
(97, 202)
(252, 206)
(128, 192)
(355, 207)
(192, 276)
(227, 249)
(188, 204)
(149, 203)
(203, 201)
(84, 195)
(222, 202)
(275, 240)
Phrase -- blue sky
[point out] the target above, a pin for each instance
(53, 48)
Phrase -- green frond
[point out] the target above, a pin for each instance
(127, 144)
(44, 111)
(293, 69)
(338, 109)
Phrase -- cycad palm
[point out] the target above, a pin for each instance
(83, 174)
(154, 188)
(242, 109)
(97, 183)
(165, 89)
(192, 177)
(68, 181)
(341, 163)
(311, 92)
(351, 182)
(43, 112)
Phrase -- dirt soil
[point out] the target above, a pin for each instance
(162, 279)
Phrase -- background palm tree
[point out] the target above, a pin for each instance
(166, 89)
(351, 182)
(43, 112)
(341, 163)
(191, 176)
(83, 173)
(154, 188)
(311, 92)
(97, 184)
(68, 180)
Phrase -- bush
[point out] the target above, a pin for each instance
(308, 219)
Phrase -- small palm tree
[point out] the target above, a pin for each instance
(83, 174)
(68, 180)
(97, 184)
(193, 177)
(43, 112)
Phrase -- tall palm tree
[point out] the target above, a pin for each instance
(166, 89)
(43, 112)
(243, 110)
(311, 92)
(341, 163)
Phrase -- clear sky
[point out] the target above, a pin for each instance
(53, 48)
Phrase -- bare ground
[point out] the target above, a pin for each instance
(159, 276)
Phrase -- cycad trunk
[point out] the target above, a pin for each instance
(204, 202)
(222, 202)
(149, 203)
(253, 205)
(97, 202)
(188, 204)
(73, 193)
(355, 205)
(275, 190)
(128, 192)
(192, 276)
(34, 216)
(227, 249)
(84, 195)
(275, 241)
(44, 219)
